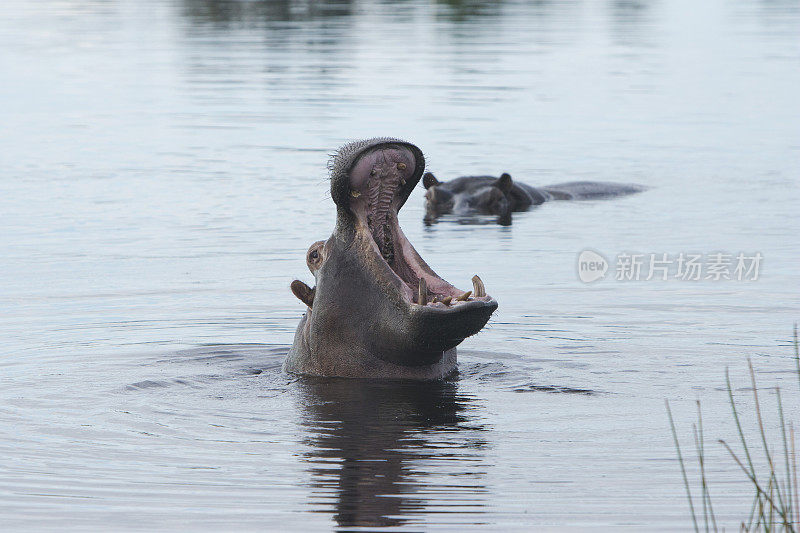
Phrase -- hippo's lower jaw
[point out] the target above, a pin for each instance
(378, 309)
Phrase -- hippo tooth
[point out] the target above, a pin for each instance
(355, 194)
(401, 166)
(464, 297)
(422, 293)
(478, 287)
(446, 301)
(435, 299)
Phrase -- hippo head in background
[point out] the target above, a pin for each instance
(484, 195)
(378, 310)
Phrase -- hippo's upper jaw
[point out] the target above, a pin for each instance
(378, 309)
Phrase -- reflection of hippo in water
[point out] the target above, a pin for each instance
(376, 454)
(501, 196)
(378, 310)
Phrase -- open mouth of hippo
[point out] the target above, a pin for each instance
(377, 307)
(380, 180)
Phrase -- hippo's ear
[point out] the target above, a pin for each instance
(303, 292)
(504, 183)
(429, 180)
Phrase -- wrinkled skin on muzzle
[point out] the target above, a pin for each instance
(378, 310)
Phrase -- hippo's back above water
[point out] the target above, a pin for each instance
(590, 190)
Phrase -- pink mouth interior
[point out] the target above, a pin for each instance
(376, 180)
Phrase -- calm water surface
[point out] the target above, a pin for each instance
(163, 172)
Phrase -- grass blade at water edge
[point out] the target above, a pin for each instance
(788, 490)
(773, 484)
(683, 467)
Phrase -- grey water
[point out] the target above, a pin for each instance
(162, 172)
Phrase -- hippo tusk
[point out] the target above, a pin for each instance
(422, 292)
(464, 297)
(478, 287)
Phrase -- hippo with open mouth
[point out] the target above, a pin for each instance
(378, 310)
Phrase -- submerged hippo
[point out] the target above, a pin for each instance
(378, 310)
(501, 196)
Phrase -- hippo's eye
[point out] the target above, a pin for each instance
(315, 255)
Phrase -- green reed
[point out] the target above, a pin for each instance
(776, 499)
